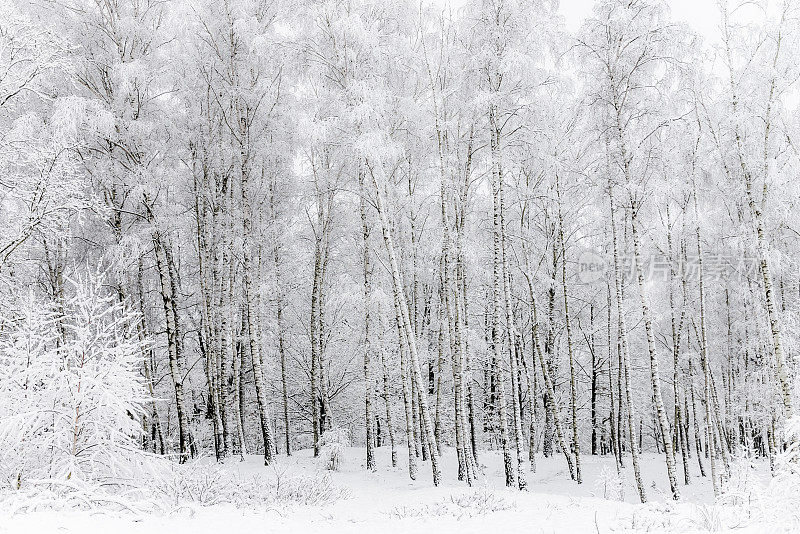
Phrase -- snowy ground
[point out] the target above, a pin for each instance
(388, 502)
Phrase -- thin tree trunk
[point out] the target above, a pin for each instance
(549, 428)
(238, 400)
(250, 312)
(314, 326)
(567, 322)
(697, 439)
(676, 336)
(368, 396)
(440, 360)
(407, 394)
(388, 402)
(625, 368)
(511, 328)
(279, 311)
(704, 350)
(147, 359)
(497, 285)
(612, 417)
(550, 404)
(756, 211)
(661, 412)
(184, 433)
(463, 452)
(400, 297)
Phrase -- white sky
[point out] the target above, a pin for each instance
(701, 15)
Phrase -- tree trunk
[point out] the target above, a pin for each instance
(402, 303)
(511, 333)
(661, 412)
(612, 417)
(676, 336)
(314, 326)
(250, 312)
(368, 400)
(497, 285)
(625, 369)
(387, 398)
(184, 434)
(567, 322)
(548, 383)
(280, 303)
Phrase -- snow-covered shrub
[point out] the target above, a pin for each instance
(781, 503)
(70, 391)
(332, 445)
(610, 484)
(436, 509)
(479, 501)
(206, 483)
(774, 503)
(307, 490)
(708, 518)
(198, 481)
(740, 490)
(657, 517)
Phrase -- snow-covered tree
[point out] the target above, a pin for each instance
(72, 394)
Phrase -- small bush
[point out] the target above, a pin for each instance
(770, 503)
(708, 518)
(657, 517)
(332, 445)
(207, 484)
(610, 484)
(482, 500)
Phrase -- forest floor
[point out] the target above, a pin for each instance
(387, 501)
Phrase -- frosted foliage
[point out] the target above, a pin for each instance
(71, 390)
(200, 483)
(750, 497)
(332, 447)
(29, 52)
(610, 485)
(482, 501)
(399, 265)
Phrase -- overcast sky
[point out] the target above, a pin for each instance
(701, 15)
